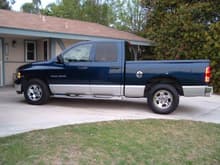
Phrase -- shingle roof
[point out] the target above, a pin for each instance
(19, 20)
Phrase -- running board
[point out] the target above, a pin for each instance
(99, 97)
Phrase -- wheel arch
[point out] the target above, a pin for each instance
(163, 80)
(28, 78)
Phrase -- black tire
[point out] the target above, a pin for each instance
(36, 92)
(163, 98)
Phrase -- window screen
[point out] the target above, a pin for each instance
(30, 51)
(106, 52)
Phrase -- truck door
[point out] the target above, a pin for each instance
(76, 73)
(106, 69)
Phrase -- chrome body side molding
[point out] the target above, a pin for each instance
(134, 90)
(70, 89)
(117, 90)
(112, 90)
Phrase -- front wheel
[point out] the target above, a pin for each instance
(163, 98)
(36, 92)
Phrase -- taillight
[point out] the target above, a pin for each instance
(207, 74)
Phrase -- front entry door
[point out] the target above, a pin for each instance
(1, 63)
(46, 50)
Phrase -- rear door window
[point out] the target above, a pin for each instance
(106, 52)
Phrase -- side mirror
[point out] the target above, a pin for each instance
(60, 59)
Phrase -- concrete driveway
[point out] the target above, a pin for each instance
(16, 116)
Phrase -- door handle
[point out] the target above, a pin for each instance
(82, 67)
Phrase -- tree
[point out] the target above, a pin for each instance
(93, 11)
(128, 15)
(86, 10)
(27, 8)
(4, 4)
(185, 29)
(36, 4)
(33, 7)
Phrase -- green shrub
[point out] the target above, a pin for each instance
(185, 29)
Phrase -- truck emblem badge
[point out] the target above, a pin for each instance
(139, 74)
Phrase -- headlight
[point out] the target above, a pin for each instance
(18, 75)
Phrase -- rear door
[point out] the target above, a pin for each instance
(106, 69)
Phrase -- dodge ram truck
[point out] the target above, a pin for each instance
(106, 69)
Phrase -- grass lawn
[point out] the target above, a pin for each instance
(119, 142)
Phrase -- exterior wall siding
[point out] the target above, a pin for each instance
(14, 55)
(58, 49)
(10, 70)
(40, 50)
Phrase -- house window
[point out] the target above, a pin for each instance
(30, 51)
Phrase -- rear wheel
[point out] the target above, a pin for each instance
(36, 92)
(163, 98)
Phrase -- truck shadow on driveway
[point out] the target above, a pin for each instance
(99, 104)
(114, 109)
(122, 105)
(129, 105)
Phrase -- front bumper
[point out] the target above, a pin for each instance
(18, 88)
(191, 91)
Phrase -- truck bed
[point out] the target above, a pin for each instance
(186, 72)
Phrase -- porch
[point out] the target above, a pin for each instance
(19, 50)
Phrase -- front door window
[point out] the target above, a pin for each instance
(80, 53)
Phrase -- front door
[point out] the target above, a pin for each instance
(1, 62)
(46, 50)
(76, 71)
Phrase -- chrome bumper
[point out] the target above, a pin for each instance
(191, 91)
(18, 88)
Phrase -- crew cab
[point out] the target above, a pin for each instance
(105, 69)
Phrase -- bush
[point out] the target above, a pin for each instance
(185, 29)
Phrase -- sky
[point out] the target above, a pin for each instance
(19, 3)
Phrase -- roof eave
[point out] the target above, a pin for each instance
(34, 33)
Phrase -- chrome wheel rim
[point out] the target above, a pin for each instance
(163, 99)
(34, 92)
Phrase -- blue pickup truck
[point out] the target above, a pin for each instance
(109, 69)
